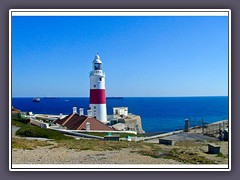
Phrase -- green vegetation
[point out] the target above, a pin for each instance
(28, 144)
(20, 120)
(27, 130)
(102, 134)
(96, 145)
(221, 155)
(148, 149)
(187, 157)
(181, 152)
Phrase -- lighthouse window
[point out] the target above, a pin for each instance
(100, 79)
(94, 85)
(97, 66)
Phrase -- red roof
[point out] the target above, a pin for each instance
(76, 122)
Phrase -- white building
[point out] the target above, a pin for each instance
(120, 111)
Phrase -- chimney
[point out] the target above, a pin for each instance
(74, 110)
(81, 112)
(89, 112)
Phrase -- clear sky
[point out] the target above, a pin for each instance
(142, 56)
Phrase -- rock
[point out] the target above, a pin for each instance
(132, 122)
(119, 126)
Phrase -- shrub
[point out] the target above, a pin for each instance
(33, 131)
(22, 120)
(27, 130)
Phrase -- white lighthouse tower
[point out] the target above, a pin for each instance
(97, 91)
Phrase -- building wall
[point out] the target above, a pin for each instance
(120, 111)
(39, 124)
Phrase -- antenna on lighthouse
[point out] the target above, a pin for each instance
(97, 56)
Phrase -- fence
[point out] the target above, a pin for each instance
(202, 127)
(216, 129)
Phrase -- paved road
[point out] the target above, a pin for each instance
(14, 129)
(184, 136)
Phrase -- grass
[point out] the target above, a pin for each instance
(149, 149)
(19, 122)
(221, 155)
(102, 134)
(27, 130)
(187, 157)
(27, 144)
(96, 145)
(181, 152)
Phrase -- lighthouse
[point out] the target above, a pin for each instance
(97, 90)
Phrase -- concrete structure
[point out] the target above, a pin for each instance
(213, 149)
(166, 141)
(122, 111)
(39, 123)
(187, 125)
(112, 137)
(121, 116)
(97, 91)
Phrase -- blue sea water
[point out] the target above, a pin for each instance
(159, 114)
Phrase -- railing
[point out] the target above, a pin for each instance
(97, 73)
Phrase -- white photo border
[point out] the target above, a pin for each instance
(118, 12)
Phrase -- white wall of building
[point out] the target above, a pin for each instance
(120, 111)
(102, 111)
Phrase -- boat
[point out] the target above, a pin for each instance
(114, 97)
(50, 97)
(36, 99)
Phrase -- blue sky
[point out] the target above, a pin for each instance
(142, 56)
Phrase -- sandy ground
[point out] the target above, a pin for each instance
(61, 155)
(46, 155)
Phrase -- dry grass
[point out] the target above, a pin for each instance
(188, 157)
(187, 152)
(184, 152)
(21, 143)
(96, 145)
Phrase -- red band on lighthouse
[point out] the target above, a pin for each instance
(97, 96)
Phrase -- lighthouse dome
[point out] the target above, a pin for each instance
(97, 63)
(97, 59)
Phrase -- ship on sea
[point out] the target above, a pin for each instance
(50, 97)
(36, 99)
(114, 97)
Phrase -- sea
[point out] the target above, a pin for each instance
(158, 114)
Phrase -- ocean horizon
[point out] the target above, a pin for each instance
(158, 114)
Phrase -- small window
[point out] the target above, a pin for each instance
(94, 85)
(94, 107)
(100, 79)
